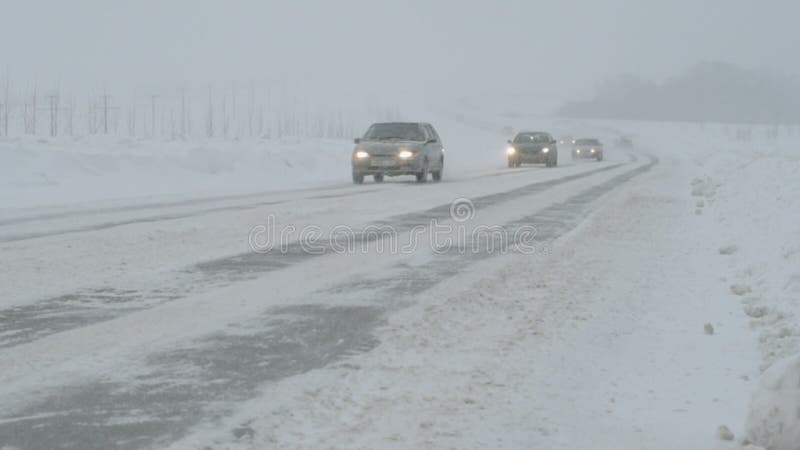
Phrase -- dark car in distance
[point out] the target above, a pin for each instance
(398, 148)
(588, 148)
(532, 147)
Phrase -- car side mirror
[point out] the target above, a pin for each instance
(357, 140)
(553, 142)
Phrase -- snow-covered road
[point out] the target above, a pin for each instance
(156, 324)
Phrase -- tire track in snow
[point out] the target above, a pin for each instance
(162, 217)
(349, 191)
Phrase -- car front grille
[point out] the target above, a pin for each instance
(383, 161)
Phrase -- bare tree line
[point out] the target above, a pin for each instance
(230, 113)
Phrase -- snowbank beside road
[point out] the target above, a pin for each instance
(746, 184)
(749, 183)
(753, 193)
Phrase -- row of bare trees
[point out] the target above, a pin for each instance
(748, 133)
(181, 114)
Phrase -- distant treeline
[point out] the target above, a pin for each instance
(709, 92)
(228, 113)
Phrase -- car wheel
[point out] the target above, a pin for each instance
(600, 157)
(358, 178)
(378, 177)
(437, 174)
(512, 164)
(422, 176)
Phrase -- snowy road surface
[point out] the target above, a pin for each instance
(157, 325)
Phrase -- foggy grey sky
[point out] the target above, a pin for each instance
(451, 47)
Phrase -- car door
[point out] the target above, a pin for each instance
(434, 148)
(439, 148)
(426, 148)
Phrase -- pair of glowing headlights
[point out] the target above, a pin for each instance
(590, 151)
(513, 151)
(404, 154)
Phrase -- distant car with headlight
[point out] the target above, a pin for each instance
(588, 149)
(398, 148)
(624, 142)
(532, 147)
(566, 141)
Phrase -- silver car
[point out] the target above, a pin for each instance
(398, 148)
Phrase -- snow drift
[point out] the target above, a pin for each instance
(774, 420)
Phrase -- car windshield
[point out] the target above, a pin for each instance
(404, 131)
(588, 142)
(531, 137)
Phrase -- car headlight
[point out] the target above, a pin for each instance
(511, 150)
(405, 154)
(578, 151)
(545, 150)
(361, 154)
(592, 150)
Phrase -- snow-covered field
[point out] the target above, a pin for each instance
(664, 284)
(42, 172)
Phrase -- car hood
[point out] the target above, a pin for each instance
(388, 148)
